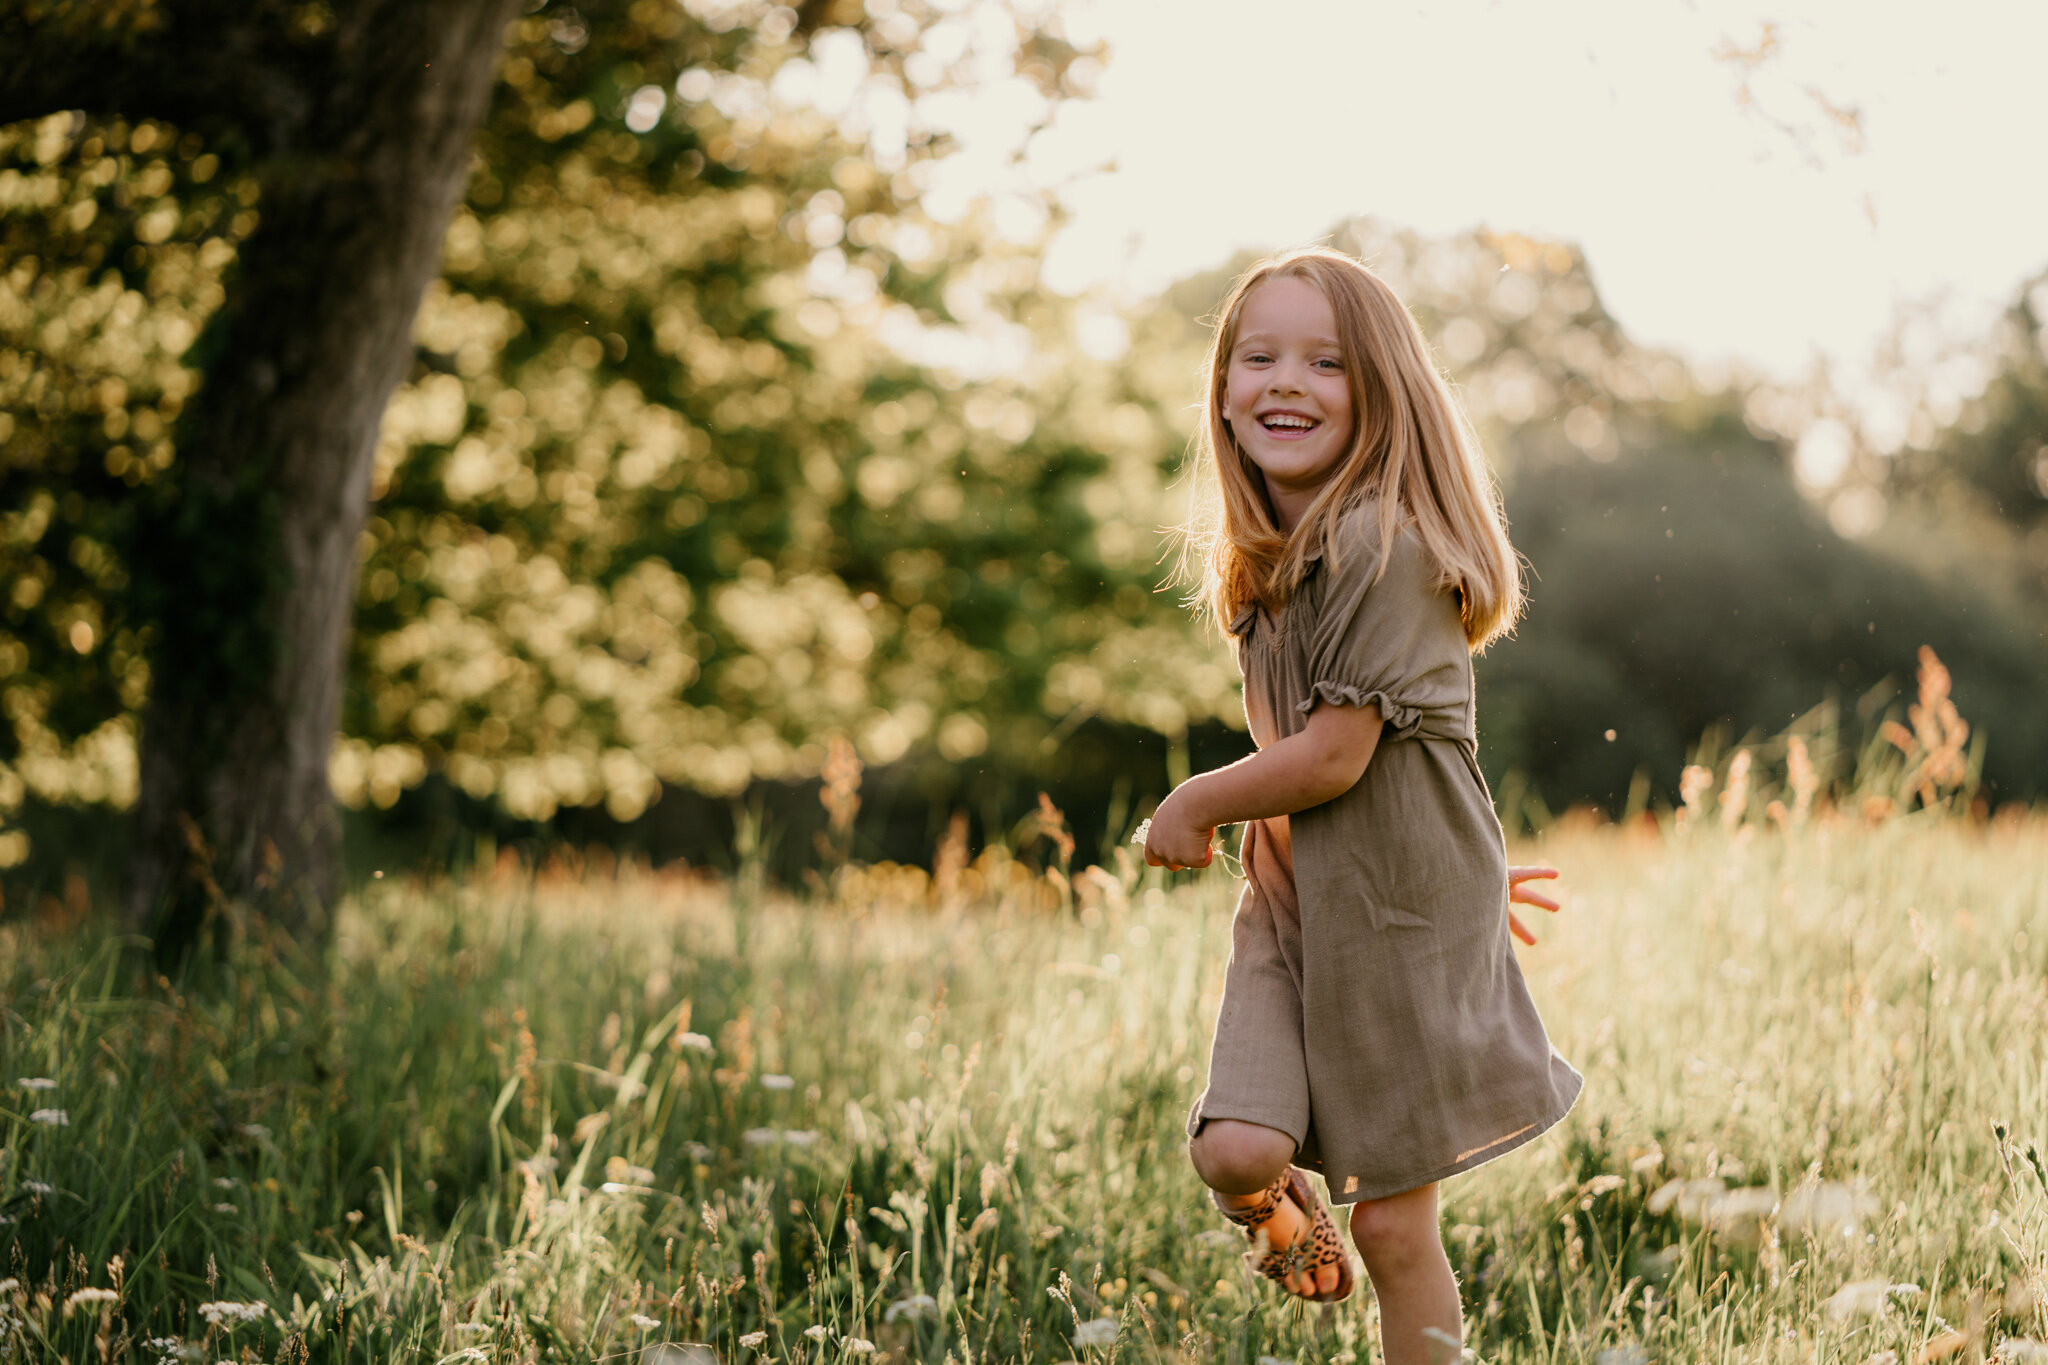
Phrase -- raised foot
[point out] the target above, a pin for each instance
(1283, 1227)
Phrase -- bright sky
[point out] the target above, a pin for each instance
(1710, 228)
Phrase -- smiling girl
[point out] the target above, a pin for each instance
(1374, 1026)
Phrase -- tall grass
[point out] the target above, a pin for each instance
(524, 1117)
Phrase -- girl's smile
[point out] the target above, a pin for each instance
(1287, 395)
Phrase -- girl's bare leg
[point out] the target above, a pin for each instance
(1238, 1160)
(1404, 1256)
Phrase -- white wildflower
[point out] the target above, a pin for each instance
(36, 1083)
(859, 1346)
(754, 1341)
(760, 1137)
(816, 1333)
(799, 1137)
(225, 1208)
(1858, 1298)
(1142, 832)
(1630, 1354)
(696, 1042)
(914, 1307)
(229, 1312)
(10, 1285)
(621, 1187)
(2021, 1351)
(643, 1322)
(224, 1182)
(50, 1118)
(86, 1296)
(1095, 1332)
(38, 1187)
(255, 1130)
(771, 1081)
(696, 1151)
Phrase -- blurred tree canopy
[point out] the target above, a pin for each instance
(719, 441)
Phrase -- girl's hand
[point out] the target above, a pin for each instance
(1525, 896)
(1173, 842)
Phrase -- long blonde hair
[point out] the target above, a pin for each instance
(1413, 453)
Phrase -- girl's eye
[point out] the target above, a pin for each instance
(1330, 364)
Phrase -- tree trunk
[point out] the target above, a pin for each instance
(251, 556)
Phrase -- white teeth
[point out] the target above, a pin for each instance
(1289, 421)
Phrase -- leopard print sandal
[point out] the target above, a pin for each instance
(1321, 1247)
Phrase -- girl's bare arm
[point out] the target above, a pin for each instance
(1324, 760)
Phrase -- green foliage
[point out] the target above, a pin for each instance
(511, 1113)
(722, 441)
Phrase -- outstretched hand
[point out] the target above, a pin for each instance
(1524, 895)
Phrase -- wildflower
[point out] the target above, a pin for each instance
(696, 1041)
(2021, 1351)
(1693, 785)
(754, 1341)
(86, 1296)
(255, 1130)
(859, 1346)
(816, 1333)
(1858, 1298)
(38, 1187)
(225, 1208)
(760, 1137)
(1142, 832)
(696, 1151)
(10, 1285)
(1095, 1332)
(224, 1182)
(799, 1137)
(621, 1187)
(1735, 795)
(229, 1312)
(643, 1322)
(36, 1083)
(774, 1082)
(914, 1307)
(50, 1118)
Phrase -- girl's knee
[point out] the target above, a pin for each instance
(1396, 1236)
(1239, 1158)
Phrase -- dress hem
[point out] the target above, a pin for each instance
(1458, 1167)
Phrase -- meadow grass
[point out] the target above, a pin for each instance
(576, 1114)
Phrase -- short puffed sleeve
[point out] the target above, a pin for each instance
(1391, 638)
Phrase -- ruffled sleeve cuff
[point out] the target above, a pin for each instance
(1402, 719)
(1241, 624)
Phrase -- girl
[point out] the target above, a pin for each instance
(1374, 1025)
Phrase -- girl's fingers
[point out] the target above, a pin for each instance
(1520, 930)
(1530, 874)
(1521, 895)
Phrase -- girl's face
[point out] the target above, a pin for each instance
(1287, 395)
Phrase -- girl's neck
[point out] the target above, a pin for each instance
(1289, 506)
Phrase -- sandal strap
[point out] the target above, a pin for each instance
(1249, 1216)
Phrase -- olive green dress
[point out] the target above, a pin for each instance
(1373, 1008)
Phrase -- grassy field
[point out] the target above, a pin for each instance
(572, 1115)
